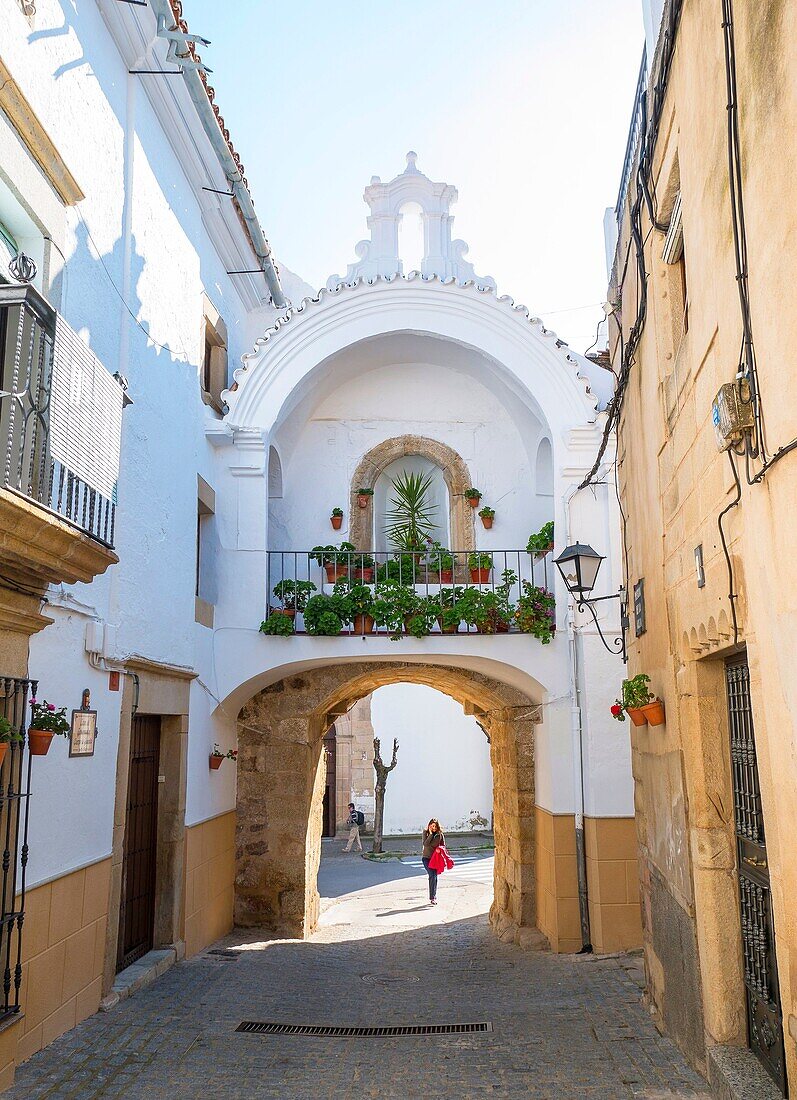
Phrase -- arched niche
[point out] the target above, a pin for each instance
(438, 498)
(544, 469)
(455, 473)
(274, 474)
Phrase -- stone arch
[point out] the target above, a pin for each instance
(455, 472)
(281, 781)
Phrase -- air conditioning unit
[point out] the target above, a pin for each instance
(732, 414)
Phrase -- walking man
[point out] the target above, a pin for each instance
(355, 821)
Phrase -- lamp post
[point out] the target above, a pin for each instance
(579, 565)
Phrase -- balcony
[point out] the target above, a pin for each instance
(60, 422)
(331, 591)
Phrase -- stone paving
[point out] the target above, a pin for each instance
(564, 1027)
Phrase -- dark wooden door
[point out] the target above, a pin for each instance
(137, 908)
(764, 1013)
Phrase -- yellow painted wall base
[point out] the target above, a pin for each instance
(612, 882)
(209, 881)
(615, 913)
(63, 951)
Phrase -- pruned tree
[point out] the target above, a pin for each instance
(382, 771)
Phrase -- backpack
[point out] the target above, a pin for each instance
(360, 818)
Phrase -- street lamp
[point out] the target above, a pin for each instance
(579, 565)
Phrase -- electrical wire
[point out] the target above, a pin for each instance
(732, 595)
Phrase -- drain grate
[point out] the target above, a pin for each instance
(258, 1027)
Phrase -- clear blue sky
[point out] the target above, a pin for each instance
(523, 105)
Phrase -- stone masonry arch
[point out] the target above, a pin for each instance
(281, 781)
(457, 479)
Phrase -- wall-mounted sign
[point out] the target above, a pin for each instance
(84, 729)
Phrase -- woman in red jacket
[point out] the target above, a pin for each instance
(432, 838)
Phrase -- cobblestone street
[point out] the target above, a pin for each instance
(564, 1027)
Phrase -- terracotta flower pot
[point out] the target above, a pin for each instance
(446, 576)
(637, 715)
(334, 571)
(480, 576)
(654, 712)
(448, 629)
(39, 742)
(363, 624)
(336, 521)
(542, 553)
(3, 751)
(215, 763)
(473, 501)
(364, 575)
(487, 521)
(288, 612)
(502, 627)
(362, 499)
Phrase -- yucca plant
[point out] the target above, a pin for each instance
(411, 520)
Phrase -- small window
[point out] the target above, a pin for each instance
(205, 581)
(213, 373)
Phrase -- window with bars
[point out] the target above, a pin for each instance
(15, 694)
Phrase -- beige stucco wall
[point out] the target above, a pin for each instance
(674, 483)
(63, 949)
(209, 881)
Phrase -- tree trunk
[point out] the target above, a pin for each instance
(382, 771)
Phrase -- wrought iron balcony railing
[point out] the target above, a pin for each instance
(421, 594)
(60, 416)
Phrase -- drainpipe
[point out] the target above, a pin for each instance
(204, 108)
(577, 736)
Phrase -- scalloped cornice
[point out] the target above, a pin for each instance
(513, 312)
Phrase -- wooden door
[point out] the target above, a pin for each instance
(137, 907)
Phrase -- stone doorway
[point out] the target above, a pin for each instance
(282, 777)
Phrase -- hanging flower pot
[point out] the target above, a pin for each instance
(637, 715)
(654, 712)
(473, 496)
(364, 497)
(39, 742)
(215, 762)
(487, 517)
(336, 521)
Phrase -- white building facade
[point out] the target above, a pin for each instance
(124, 188)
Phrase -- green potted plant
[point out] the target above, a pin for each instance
(400, 569)
(8, 736)
(410, 519)
(364, 566)
(488, 515)
(542, 543)
(335, 560)
(473, 496)
(448, 613)
(503, 596)
(535, 613)
(441, 563)
(325, 615)
(294, 596)
(420, 621)
(278, 624)
(217, 756)
(364, 497)
(336, 519)
(480, 565)
(394, 606)
(474, 609)
(46, 722)
(360, 600)
(636, 696)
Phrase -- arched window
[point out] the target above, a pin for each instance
(274, 474)
(411, 245)
(437, 498)
(544, 475)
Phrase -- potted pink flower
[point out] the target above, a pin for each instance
(217, 756)
(46, 721)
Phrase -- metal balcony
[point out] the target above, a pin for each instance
(444, 576)
(60, 416)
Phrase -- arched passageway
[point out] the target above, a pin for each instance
(281, 785)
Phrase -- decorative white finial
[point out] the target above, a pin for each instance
(412, 159)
